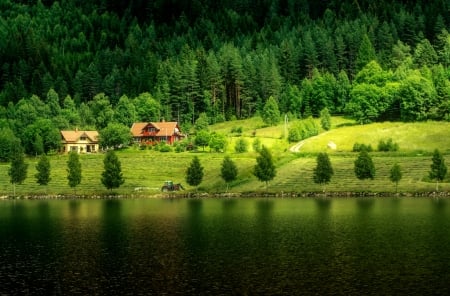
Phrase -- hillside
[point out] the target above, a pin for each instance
(148, 169)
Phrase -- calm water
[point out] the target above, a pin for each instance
(225, 247)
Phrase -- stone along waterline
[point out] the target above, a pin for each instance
(225, 246)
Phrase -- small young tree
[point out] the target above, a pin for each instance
(256, 145)
(218, 142)
(194, 173)
(364, 167)
(241, 145)
(18, 169)
(74, 170)
(395, 175)
(112, 174)
(202, 139)
(325, 119)
(438, 168)
(323, 171)
(264, 169)
(43, 171)
(229, 170)
(270, 113)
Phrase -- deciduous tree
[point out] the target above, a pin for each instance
(395, 175)
(264, 169)
(438, 168)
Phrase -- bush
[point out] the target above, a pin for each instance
(388, 146)
(357, 147)
(241, 146)
(303, 130)
(237, 130)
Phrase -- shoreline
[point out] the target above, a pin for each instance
(338, 194)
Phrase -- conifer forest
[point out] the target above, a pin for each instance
(86, 64)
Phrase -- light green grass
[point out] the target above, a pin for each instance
(411, 137)
(149, 169)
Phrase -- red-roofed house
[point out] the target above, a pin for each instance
(152, 132)
(80, 141)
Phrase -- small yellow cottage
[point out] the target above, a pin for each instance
(80, 141)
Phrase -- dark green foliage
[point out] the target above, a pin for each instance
(112, 174)
(438, 168)
(18, 169)
(223, 59)
(7, 143)
(264, 169)
(43, 170)
(74, 170)
(395, 175)
(357, 147)
(241, 145)
(364, 167)
(388, 146)
(323, 171)
(194, 173)
(229, 170)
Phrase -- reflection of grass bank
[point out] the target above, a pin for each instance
(148, 169)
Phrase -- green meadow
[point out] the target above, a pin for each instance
(146, 170)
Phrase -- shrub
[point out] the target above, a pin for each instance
(303, 130)
(357, 147)
(241, 146)
(387, 146)
(237, 129)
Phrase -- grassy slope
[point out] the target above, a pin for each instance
(294, 171)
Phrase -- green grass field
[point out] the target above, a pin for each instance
(148, 169)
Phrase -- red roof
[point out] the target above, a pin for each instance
(163, 129)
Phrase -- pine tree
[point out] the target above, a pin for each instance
(74, 170)
(271, 114)
(112, 175)
(325, 119)
(438, 168)
(194, 173)
(264, 169)
(323, 171)
(366, 53)
(43, 170)
(229, 170)
(18, 169)
(364, 167)
(395, 175)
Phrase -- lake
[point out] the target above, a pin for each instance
(348, 246)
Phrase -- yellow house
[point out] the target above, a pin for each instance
(80, 141)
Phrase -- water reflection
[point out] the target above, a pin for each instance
(237, 246)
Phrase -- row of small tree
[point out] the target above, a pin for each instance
(264, 169)
(111, 177)
(365, 169)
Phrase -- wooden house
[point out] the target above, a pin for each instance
(80, 141)
(155, 132)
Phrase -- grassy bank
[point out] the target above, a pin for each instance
(148, 169)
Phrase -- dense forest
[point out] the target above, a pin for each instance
(86, 64)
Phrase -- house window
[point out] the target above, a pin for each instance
(151, 129)
(82, 138)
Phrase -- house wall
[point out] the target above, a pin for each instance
(81, 147)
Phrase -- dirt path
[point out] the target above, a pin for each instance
(297, 146)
